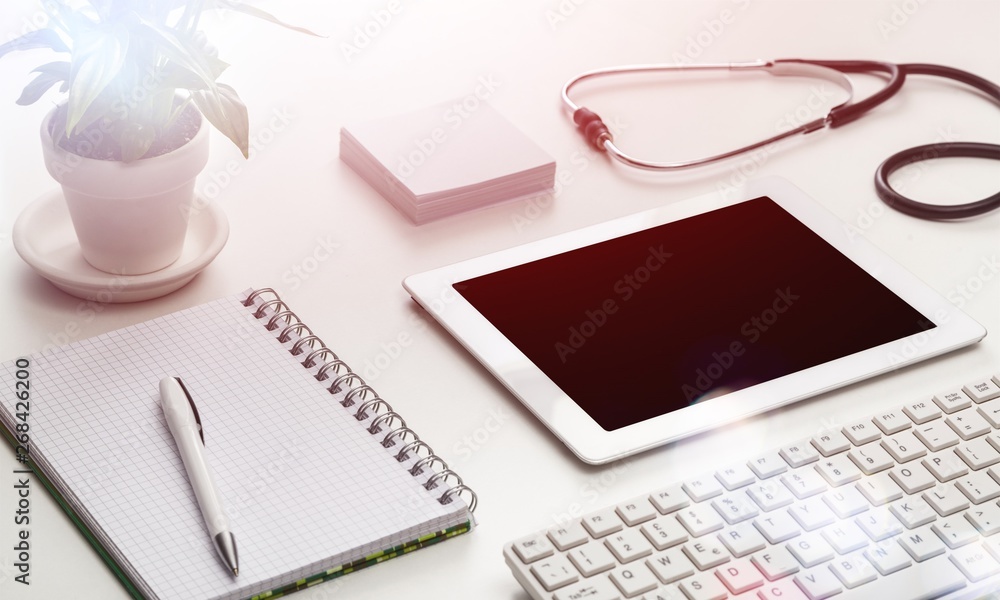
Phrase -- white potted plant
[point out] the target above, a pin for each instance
(129, 140)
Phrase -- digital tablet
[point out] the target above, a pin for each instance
(640, 331)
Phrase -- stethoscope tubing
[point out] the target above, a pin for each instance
(598, 135)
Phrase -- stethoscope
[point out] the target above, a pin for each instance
(835, 71)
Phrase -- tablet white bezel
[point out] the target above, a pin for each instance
(593, 444)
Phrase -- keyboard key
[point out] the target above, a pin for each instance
(892, 421)
(913, 477)
(602, 523)
(904, 504)
(904, 447)
(946, 499)
(955, 531)
(735, 507)
(861, 432)
(819, 583)
(532, 548)
(742, 539)
(936, 435)
(671, 565)
(702, 488)
(935, 578)
(853, 570)
(704, 586)
(768, 465)
(846, 502)
(922, 411)
(992, 546)
(740, 576)
(627, 546)
(952, 401)
(706, 553)
(811, 514)
(568, 536)
(879, 489)
(777, 526)
(770, 495)
(978, 487)
(735, 477)
(597, 588)
(913, 511)
(986, 518)
(634, 580)
(975, 562)
(664, 532)
(784, 589)
(888, 557)
(810, 549)
(845, 537)
(797, 455)
(871, 459)
(670, 499)
(968, 424)
(591, 558)
(978, 454)
(838, 470)
(879, 524)
(700, 519)
(554, 572)
(804, 482)
(981, 390)
(775, 563)
(991, 412)
(831, 442)
(922, 544)
(945, 466)
(636, 511)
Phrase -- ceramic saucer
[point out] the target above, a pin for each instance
(44, 237)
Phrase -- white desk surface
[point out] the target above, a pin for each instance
(296, 195)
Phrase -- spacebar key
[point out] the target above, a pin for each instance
(923, 581)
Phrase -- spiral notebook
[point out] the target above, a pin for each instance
(319, 476)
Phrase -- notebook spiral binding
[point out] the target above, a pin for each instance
(359, 394)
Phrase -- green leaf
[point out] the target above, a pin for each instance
(135, 141)
(100, 60)
(48, 75)
(179, 77)
(58, 67)
(40, 38)
(253, 11)
(227, 113)
(184, 54)
(175, 114)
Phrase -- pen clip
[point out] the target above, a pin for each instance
(194, 409)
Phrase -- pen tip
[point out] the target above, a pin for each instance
(236, 571)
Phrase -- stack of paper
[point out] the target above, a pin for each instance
(446, 159)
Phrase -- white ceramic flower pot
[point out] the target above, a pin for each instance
(130, 218)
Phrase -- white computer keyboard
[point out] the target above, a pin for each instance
(899, 506)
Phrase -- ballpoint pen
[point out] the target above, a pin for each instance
(185, 425)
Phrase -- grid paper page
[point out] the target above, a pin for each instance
(305, 485)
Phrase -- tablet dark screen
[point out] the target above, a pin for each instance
(641, 325)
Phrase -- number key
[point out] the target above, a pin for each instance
(628, 545)
(904, 446)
